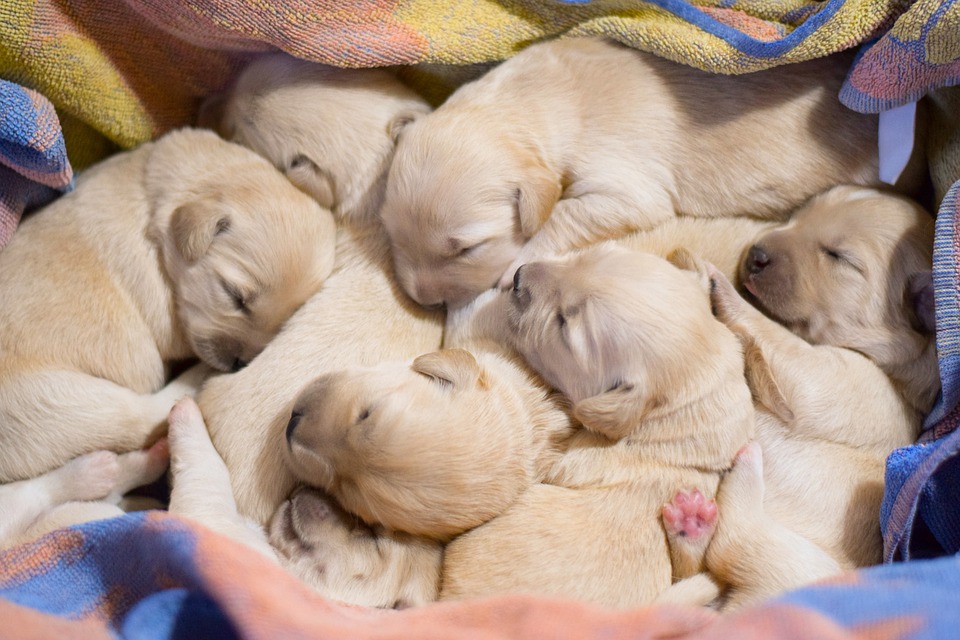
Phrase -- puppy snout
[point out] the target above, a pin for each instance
(757, 259)
(238, 364)
(295, 416)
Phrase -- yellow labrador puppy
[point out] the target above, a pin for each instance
(186, 246)
(578, 140)
(89, 487)
(657, 383)
(852, 269)
(329, 130)
(344, 122)
(805, 504)
(435, 446)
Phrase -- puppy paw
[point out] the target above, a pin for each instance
(740, 495)
(91, 476)
(188, 383)
(138, 468)
(726, 303)
(690, 515)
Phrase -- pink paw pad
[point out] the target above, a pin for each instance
(690, 515)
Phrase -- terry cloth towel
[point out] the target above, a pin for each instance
(33, 158)
(154, 576)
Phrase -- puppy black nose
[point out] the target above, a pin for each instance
(757, 259)
(237, 364)
(516, 279)
(295, 416)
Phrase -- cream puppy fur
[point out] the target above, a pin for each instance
(657, 383)
(435, 446)
(852, 268)
(89, 487)
(577, 140)
(293, 112)
(827, 418)
(360, 316)
(185, 246)
(310, 535)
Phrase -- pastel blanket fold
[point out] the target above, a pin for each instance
(152, 576)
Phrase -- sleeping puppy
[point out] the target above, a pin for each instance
(343, 122)
(310, 535)
(657, 383)
(827, 419)
(577, 140)
(852, 269)
(89, 487)
(434, 446)
(185, 246)
(293, 112)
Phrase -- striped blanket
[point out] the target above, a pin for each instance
(121, 73)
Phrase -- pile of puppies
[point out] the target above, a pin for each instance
(608, 418)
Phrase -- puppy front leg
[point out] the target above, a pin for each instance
(588, 214)
(49, 417)
(750, 552)
(88, 477)
(201, 482)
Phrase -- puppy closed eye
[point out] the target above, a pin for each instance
(841, 257)
(237, 297)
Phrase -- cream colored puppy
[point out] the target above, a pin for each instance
(346, 128)
(657, 383)
(432, 447)
(577, 140)
(89, 487)
(185, 246)
(310, 535)
(852, 269)
(330, 130)
(827, 418)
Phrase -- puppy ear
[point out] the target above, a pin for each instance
(920, 301)
(193, 226)
(456, 367)
(211, 114)
(615, 413)
(536, 197)
(400, 122)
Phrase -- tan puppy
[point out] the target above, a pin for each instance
(330, 130)
(310, 535)
(577, 140)
(657, 382)
(86, 488)
(827, 419)
(185, 246)
(360, 316)
(433, 447)
(852, 269)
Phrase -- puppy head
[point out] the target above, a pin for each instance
(618, 332)
(850, 269)
(346, 560)
(243, 256)
(330, 130)
(431, 448)
(460, 203)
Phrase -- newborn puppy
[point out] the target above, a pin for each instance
(331, 131)
(577, 140)
(827, 419)
(852, 269)
(310, 535)
(185, 246)
(432, 447)
(89, 487)
(657, 383)
(341, 121)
